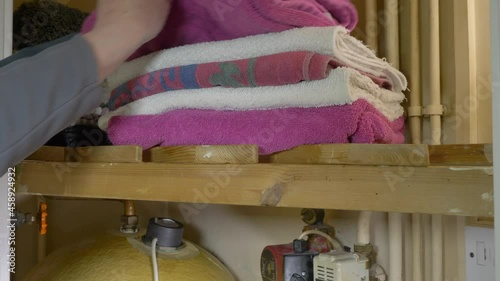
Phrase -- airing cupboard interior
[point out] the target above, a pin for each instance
(412, 203)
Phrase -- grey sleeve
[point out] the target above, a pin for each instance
(43, 90)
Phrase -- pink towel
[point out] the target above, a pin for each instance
(272, 70)
(196, 21)
(272, 130)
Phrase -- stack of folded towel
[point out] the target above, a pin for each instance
(279, 90)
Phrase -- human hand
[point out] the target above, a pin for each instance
(140, 20)
(122, 26)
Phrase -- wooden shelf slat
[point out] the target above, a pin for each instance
(204, 154)
(49, 153)
(338, 154)
(123, 154)
(461, 155)
(355, 154)
(387, 155)
(433, 190)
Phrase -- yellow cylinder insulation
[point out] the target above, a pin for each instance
(113, 258)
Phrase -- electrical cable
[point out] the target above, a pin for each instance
(334, 243)
(153, 256)
(378, 272)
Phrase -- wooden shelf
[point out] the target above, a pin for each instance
(399, 178)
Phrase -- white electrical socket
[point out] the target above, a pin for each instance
(479, 254)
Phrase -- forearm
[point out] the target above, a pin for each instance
(43, 93)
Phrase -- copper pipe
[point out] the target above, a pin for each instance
(129, 208)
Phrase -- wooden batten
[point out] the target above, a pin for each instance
(488, 222)
(461, 155)
(205, 154)
(390, 178)
(437, 190)
(120, 154)
(355, 154)
(49, 153)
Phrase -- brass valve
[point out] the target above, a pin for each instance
(42, 219)
(39, 218)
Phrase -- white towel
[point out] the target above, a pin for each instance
(332, 41)
(343, 86)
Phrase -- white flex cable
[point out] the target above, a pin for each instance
(153, 256)
(334, 243)
(378, 272)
